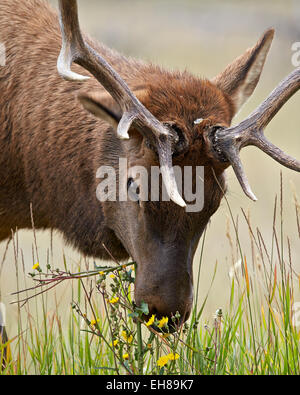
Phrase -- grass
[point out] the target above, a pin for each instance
(255, 333)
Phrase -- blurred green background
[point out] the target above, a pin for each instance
(203, 37)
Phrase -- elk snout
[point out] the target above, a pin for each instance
(166, 295)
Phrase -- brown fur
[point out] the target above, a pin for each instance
(51, 149)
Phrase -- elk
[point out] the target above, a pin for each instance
(70, 105)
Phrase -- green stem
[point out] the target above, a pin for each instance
(140, 347)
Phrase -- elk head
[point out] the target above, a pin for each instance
(173, 119)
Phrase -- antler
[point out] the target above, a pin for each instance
(227, 143)
(75, 49)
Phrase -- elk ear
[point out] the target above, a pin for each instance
(103, 106)
(240, 78)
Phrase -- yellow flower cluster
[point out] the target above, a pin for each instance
(127, 338)
(163, 322)
(166, 358)
(151, 321)
(94, 322)
(114, 300)
(115, 343)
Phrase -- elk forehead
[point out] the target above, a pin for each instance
(183, 98)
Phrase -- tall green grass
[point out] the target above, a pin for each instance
(257, 331)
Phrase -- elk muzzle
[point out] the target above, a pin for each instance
(167, 288)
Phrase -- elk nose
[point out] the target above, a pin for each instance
(173, 303)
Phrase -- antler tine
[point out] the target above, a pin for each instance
(71, 41)
(75, 49)
(228, 142)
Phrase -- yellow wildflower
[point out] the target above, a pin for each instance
(125, 356)
(163, 361)
(173, 357)
(36, 266)
(114, 300)
(94, 322)
(112, 275)
(127, 338)
(163, 322)
(115, 343)
(151, 321)
(166, 358)
(101, 273)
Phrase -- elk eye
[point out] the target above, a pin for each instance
(181, 143)
(133, 190)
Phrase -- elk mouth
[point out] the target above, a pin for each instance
(167, 308)
(164, 282)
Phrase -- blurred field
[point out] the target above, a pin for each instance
(203, 37)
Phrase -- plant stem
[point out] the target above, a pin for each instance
(140, 347)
